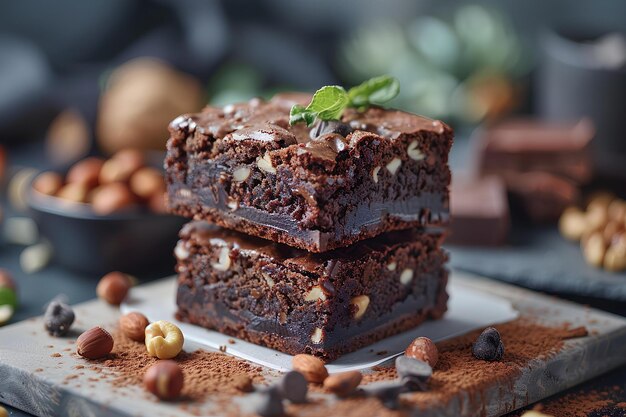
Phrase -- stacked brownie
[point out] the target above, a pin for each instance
(309, 240)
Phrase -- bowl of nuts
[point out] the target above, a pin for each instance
(103, 215)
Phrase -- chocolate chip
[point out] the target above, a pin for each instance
(488, 346)
(330, 126)
(268, 403)
(58, 318)
(293, 387)
(387, 392)
(414, 373)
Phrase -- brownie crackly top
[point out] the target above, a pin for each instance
(248, 130)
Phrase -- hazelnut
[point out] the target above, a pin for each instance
(265, 164)
(394, 165)
(6, 280)
(314, 294)
(573, 223)
(241, 174)
(164, 379)
(158, 202)
(146, 182)
(617, 210)
(223, 262)
(94, 343)
(535, 413)
(48, 183)
(180, 251)
(121, 166)
(113, 287)
(360, 302)
(311, 367)
(164, 339)
(343, 384)
(611, 229)
(413, 152)
(111, 198)
(133, 325)
(268, 279)
(423, 349)
(3, 411)
(375, 174)
(317, 336)
(600, 201)
(594, 249)
(74, 192)
(615, 257)
(406, 276)
(85, 172)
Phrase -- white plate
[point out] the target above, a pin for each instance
(468, 309)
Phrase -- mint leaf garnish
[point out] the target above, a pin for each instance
(329, 102)
(376, 90)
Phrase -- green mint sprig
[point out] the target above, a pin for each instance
(329, 102)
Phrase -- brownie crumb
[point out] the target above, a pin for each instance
(55, 355)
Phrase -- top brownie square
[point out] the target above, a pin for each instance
(245, 168)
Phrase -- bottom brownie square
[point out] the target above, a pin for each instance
(324, 304)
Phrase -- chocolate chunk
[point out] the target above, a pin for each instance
(293, 387)
(58, 318)
(323, 127)
(414, 373)
(268, 403)
(488, 346)
(388, 392)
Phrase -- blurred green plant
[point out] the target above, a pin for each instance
(465, 67)
(237, 83)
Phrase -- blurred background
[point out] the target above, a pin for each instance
(535, 90)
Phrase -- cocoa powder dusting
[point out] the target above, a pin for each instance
(585, 404)
(209, 373)
(458, 370)
(205, 372)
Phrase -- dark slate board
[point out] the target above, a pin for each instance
(540, 259)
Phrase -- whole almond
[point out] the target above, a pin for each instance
(94, 343)
(311, 367)
(343, 384)
(133, 325)
(423, 349)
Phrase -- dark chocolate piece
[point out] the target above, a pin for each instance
(542, 164)
(526, 145)
(479, 212)
(245, 168)
(299, 302)
(488, 346)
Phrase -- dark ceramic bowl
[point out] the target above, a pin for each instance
(135, 241)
